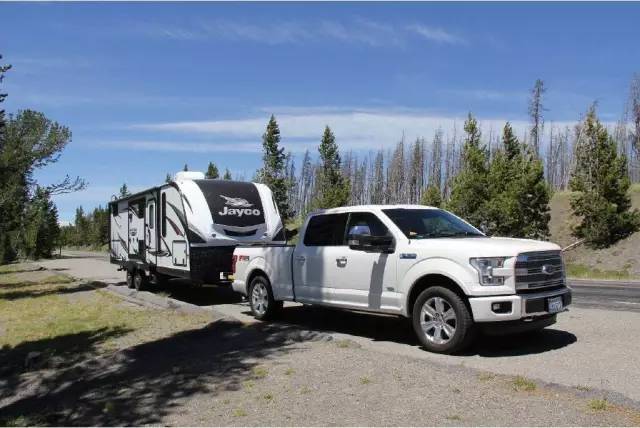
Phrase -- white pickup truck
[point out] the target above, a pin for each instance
(415, 261)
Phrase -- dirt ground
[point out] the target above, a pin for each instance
(114, 363)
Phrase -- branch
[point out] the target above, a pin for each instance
(574, 245)
(67, 186)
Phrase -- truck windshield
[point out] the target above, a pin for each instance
(431, 223)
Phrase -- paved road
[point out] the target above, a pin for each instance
(594, 345)
(616, 295)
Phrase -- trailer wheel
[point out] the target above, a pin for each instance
(442, 321)
(261, 301)
(130, 279)
(140, 280)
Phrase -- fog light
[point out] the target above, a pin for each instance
(501, 307)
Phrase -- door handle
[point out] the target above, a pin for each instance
(342, 261)
(301, 259)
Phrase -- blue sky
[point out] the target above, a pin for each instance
(148, 87)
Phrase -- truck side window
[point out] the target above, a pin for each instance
(325, 230)
(164, 215)
(366, 224)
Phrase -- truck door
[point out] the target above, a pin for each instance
(151, 235)
(314, 258)
(367, 279)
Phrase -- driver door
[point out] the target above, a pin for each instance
(366, 279)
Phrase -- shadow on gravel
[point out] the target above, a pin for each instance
(400, 330)
(144, 383)
(53, 289)
(200, 296)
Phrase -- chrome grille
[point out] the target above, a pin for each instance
(539, 270)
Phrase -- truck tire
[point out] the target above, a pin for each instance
(263, 306)
(130, 279)
(442, 321)
(140, 280)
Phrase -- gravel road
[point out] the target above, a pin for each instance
(588, 348)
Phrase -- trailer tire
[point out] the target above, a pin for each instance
(442, 321)
(263, 306)
(140, 280)
(130, 279)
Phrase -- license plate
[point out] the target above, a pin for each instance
(555, 304)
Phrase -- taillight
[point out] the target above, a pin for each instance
(234, 259)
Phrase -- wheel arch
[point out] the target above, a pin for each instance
(432, 280)
(256, 271)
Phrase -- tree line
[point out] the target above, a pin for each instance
(501, 184)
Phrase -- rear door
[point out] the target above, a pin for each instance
(315, 261)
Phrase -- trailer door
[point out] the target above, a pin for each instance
(151, 235)
(136, 229)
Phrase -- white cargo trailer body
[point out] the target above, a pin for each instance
(188, 228)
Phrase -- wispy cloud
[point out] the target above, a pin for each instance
(435, 34)
(355, 129)
(353, 31)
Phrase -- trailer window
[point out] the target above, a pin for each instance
(164, 215)
(325, 230)
(152, 216)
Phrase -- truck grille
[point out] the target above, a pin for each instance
(541, 270)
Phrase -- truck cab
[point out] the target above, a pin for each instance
(419, 262)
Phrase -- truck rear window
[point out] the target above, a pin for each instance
(325, 230)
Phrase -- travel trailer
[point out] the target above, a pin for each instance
(188, 228)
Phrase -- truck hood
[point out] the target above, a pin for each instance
(485, 246)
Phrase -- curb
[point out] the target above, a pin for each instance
(148, 299)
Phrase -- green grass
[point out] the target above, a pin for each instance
(598, 404)
(521, 383)
(575, 270)
(454, 418)
(239, 413)
(39, 306)
(268, 396)
(365, 380)
(289, 371)
(259, 372)
(484, 377)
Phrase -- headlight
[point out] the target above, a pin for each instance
(484, 266)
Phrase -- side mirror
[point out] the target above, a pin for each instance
(372, 244)
(290, 234)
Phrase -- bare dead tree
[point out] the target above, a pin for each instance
(536, 110)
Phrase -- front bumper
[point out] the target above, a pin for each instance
(521, 305)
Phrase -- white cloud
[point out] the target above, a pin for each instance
(436, 34)
(353, 31)
(355, 129)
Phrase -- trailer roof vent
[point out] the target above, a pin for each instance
(188, 175)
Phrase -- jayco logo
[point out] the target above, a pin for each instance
(239, 206)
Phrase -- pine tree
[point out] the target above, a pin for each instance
(469, 193)
(432, 197)
(601, 182)
(227, 174)
(333, 188)
(186, 167)
(273, 172)
(167, 178)
(124, 191)
(519, 195)
(212, 171)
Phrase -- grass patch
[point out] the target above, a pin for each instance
(521, 383)
(268, 396)
(598, 404)
(248, 384)
(484, 377)
(239, 413)
(575, 270)
(289, 371)
(259, 372)
(583, 388)
(57, 315)
(454, 418)
(365, 380)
